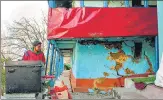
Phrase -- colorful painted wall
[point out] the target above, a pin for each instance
(96, 61)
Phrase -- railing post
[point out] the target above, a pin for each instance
(145, 3)
(126, 3)
(56, 65)
(81, 3)
(59, 61)
(62, 65)
(105, 3)
(54, 60)
(52, 3)
(47, 57)
(51, 60)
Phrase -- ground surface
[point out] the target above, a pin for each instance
(150, 92)
(90, 96)
(65, 77)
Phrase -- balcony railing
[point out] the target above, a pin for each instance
(126, 3)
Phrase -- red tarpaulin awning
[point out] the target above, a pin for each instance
(101, 22)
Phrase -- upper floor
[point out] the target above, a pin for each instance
(132, 19)
(102, 3)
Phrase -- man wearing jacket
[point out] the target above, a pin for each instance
(35, 54)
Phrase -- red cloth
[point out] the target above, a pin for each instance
(31, 56)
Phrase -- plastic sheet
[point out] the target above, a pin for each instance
(101, 22)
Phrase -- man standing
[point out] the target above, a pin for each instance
(35, 54)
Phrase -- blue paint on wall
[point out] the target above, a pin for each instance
(91, 60)
(160, 25)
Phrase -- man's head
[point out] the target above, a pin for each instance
(37, 45)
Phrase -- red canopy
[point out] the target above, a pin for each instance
(101, 22)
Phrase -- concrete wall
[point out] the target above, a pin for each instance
(91, 61)
(160, 26)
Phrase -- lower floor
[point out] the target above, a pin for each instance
(105, 63)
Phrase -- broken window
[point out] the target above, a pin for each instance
(64, 3)
(136, 3)
(139, 3)
(138, 50)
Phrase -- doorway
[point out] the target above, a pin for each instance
(67, 56)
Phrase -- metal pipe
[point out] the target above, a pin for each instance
(145, 3)
(47, 57)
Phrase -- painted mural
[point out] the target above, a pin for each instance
(113, 58)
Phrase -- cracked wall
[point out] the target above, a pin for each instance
(115, 57)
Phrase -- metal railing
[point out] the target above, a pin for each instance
(52, 3)
(56, 60)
